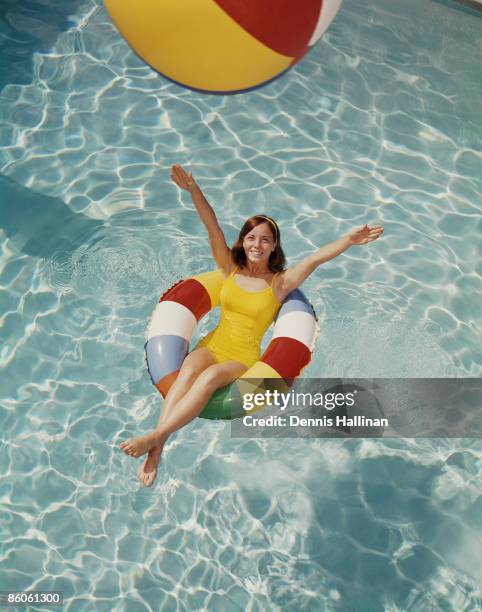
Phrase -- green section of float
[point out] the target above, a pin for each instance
(226, 403)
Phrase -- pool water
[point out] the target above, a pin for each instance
(379, 124)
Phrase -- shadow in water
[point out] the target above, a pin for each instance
(40, 225)
(29, 27)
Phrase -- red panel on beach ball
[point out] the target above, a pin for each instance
(285, 26)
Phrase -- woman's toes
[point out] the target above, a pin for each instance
(133, 447)
(147, 477)
(126, 446)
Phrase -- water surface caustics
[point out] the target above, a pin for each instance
(379, 124)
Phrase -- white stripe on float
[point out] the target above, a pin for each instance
(173, 319)
(298, 325)
(329, 9)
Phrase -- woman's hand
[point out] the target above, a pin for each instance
(219, 248)
(365, 234)
(182, 178)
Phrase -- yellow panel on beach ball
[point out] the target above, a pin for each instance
(196, 43)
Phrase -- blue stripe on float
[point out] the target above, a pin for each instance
(165, 354)
(294, 301)
(296, 294)
(295, 306)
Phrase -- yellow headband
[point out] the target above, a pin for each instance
(276, 231)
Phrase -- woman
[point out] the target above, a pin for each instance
(255, 283)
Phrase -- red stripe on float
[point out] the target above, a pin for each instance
(191, 294)
(282, 25)
(166, 383)
(287, 356)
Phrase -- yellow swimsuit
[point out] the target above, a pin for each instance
(245, 317)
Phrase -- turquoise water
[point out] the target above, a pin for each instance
(381, 123)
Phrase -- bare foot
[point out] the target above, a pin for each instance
(148, 472)
(139, 446)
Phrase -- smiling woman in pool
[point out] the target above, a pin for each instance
(255, 283)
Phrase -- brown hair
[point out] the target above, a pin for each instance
(277, 259)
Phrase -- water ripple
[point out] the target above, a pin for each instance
(377, 124)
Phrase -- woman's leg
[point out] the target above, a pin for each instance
(190, 406)
(194, 363)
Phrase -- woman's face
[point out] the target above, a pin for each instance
(258, 244)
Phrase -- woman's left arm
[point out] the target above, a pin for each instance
(293, 277)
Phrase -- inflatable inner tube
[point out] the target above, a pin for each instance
(176, 316)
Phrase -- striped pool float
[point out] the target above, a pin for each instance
(175, 318)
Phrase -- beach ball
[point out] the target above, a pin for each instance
(222, 46)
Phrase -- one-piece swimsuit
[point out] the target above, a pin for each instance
(245, 317)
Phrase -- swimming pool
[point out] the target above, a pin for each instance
(380, 123)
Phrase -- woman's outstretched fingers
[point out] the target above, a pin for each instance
(365, 234)
(182, 178)
(376, 232)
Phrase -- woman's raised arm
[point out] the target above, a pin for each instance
(293, 277)
(219, 248)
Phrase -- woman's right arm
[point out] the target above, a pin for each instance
(219, 248)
